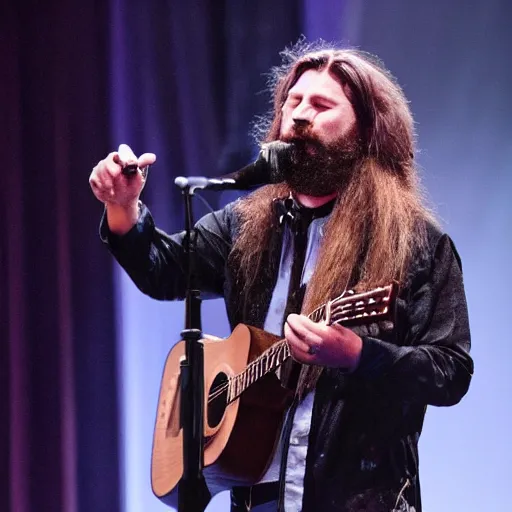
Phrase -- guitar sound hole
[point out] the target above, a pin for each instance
(217, 399)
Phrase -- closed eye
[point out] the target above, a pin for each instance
(293, 101)
(321, 102)
(319, 105)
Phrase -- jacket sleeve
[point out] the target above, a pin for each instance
(155, 261)
(433, 366)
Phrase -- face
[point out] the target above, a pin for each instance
(318, 103)
(319, 120)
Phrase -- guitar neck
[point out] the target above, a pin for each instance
(267, 362)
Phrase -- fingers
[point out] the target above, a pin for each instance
(302, 324)
(146, 159)
(301, 337)
(102, 192)
(126, 155)
(101, 182)
(322, 344)
(109, 169)
(108, 182)
(294, 340)
(95, 184)
(105, 178)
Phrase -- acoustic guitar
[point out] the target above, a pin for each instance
(244, 399)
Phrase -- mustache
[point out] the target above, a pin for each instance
(302, 141)
(300, 133)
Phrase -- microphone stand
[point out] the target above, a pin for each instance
(191, 497)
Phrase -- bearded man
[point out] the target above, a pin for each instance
(356, 221)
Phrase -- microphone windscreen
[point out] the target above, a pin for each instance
(279, 156)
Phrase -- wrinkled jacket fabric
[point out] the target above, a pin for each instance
(363, 443)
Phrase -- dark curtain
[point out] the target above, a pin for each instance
(78, 78)
(59, 429)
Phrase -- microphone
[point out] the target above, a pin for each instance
(273, 158)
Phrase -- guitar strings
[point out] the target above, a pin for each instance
(265, 357)
(236, 379)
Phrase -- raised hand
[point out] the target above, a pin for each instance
(119, 191)
(110, 185)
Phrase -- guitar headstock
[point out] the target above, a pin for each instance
(353, 308)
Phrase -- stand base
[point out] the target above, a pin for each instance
(193, 495)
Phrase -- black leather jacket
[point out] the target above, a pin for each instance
(363, 444)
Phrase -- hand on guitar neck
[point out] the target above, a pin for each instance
(321, 344)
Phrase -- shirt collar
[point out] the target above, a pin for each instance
(297, 217)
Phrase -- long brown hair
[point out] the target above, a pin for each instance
(379, 218)
(378, 221)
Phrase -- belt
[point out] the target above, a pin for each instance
(243, 498)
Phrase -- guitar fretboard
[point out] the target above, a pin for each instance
(270, 360)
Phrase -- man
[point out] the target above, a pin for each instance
(357, 221)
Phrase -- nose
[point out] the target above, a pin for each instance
(303, 115)
(300, 123)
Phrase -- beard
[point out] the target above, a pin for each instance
(319, 169)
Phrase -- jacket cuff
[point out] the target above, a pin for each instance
(115, 242)
(378, 357)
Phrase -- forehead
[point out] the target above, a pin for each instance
(315, 82)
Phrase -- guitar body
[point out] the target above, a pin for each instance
(244, 401)
(255, 435)
(240, 437)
